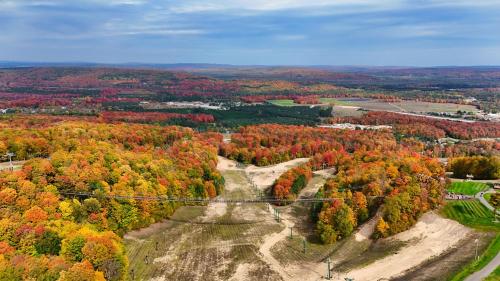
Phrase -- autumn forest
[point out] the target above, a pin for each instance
(90, 155)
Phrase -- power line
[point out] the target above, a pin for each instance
(201, 200)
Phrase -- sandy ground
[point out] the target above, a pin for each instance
(214, 211)
(225, 164)
(432, 234)
(263, 177)
(366, 230)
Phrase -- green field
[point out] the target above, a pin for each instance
(471, 213)
(379, 105)
(467, 187)
(283, 102)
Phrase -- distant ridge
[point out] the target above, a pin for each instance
(181, 66)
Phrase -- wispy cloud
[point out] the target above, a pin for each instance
(198, 6)
(232, 30)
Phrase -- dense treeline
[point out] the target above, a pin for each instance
(270, 144)
(426, 127)
(407, 183)
(480, 167)
(465, 148)
(289, 184)
(151, 117)
(45, 234)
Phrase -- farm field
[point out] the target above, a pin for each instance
(467, 187)
(378, 105)
(284, 102)
(470, 213)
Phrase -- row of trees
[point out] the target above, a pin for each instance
(480, 167)
(289, 184)
(425, 127)
(48, 234)
(152, 117)
(270, 143)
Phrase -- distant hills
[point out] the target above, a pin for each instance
(386, 77)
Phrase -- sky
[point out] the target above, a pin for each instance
(253, 32)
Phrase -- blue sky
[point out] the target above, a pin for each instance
(264, 32)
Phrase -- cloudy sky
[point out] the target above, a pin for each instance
(264, 32)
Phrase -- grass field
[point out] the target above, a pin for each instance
(335, 101)
(470, 213)
(487, 196)
(483, 260)
(283, 102)
(379, 105)
(467, 187)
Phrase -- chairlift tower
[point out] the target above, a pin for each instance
(10, 155)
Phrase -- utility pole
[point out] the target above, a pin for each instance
(304, 243)
(291, 235)
(328, 273)
(477, 240)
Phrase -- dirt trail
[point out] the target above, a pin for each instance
(366, 230)
(269, 242)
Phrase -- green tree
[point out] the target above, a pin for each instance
(48, 243)
(344, 221)
(72, 248)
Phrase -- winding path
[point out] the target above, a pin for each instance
(485, 271)
(485, 202)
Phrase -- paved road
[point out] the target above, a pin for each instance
(485, 271)
(485, 202)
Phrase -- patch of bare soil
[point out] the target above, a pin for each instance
(147, 231)
(214, 211)
(224, 164)
(366, 230)
(451, 261)
(430, 237)
(263, 177)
